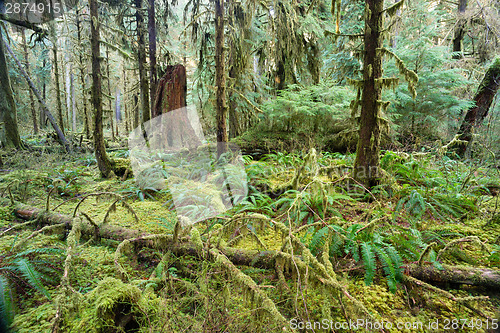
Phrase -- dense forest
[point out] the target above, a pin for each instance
(249, 166)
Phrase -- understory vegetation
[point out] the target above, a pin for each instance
(249, 166)
(313, 246)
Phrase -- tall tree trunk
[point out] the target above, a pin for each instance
(141, 56)
(136, 112)
(32, 99)
(220, 78)
(8, 114)
(366, 165)
(459, 30)
(43, 118)
(44, 107)
(153, 77)
(103, 161)
(476, 114)
(67, 78)
(125, 104)
(57, 78)
(234, 126)
(73, 100)
(110, 96)
(86, 119)
(118, 111)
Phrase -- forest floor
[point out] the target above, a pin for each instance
(341, 257)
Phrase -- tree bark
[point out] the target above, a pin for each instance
(476, 114)
(45, 109)
(110, 97)
(177, 131)
(459, 30)
(8, 112)
(141, 56)
(172, 90)
(125, 104)
(366, 165)
(153, 76)
(32, 99)
(220, 79)
(73, 101)
(86, 120)
(57, 78)
(103, 161)
(43, 117)
(483, 277)
(234, 125)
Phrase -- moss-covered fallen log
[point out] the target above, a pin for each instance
(457, 274)
(483, 277)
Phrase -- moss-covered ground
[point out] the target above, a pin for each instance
(429, 208)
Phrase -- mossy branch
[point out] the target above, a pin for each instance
(427, 249)
(244, 280)
(410, 76)
(391, 10)
(41, 231)
(468, 239)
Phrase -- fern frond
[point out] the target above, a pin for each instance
(6, 301)
(369, 262)
(318, 240)
(387, 266)
(31, 275)
(396, 260)
(45, 250)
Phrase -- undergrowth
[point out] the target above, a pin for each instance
(339, 254)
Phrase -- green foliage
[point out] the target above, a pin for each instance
(373, 249)
(436, 111)
(6, 301)
(302, 109)
(33, 267)
(425, 190)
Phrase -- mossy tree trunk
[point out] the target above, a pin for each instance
(141, 56)
(110, 97)
(57, 77)
(125, 104)
(82, 66)
(483, 99)
(10, 136)
(153, 76)
(366, 165)
(32, 99)
(459, 30)
(220, 79)
(103, 161)
(44, 108)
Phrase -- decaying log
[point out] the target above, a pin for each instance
(457, 274)
(483, 277)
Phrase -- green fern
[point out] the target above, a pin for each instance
(369, 262)
(31, 275)
(388, 267)
(318, 240)
(6, 301)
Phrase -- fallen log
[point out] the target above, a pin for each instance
(457, 274)
(483, 277)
